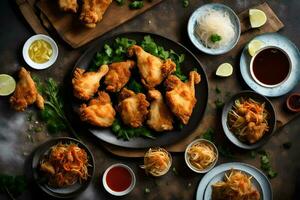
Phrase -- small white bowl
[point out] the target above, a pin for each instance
(186, 157)
(33, 64)
(122, 193)
(263, 84)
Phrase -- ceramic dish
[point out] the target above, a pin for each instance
(41, 181)
(271, 121)
(48, 63)
(276, 40)
(164, 138)
(186, 157)
(201, 12)
(259, 180)
(119, 193)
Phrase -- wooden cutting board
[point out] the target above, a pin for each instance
(71, 30)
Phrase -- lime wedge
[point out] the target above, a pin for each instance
(7, 84)
(257, 18)
(224, 70)
(254, 46)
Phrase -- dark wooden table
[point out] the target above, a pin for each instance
(168, 19)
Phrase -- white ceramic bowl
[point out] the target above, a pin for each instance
(186, 157)
(33, 64)
(263, 84)
(122, 193)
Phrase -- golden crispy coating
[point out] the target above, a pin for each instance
(25, 93)
(153, 70)
(160, 118)
(132, 108)
(181, 96)
(86, 84)
(93, 11)
(118, 75)
(68, 5)
(99, 112)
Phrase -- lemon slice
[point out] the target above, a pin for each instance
(257, 18)
(7, 84)
(254, 46)
(224, 70)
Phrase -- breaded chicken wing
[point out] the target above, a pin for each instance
(86, 84)
(93, 11)
(118, 75)
(181, 96)
(132, 107)
(160, 117)
(99, 112)
(68, 5)
(25, 93)
(153, 70)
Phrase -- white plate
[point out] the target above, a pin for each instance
(52, 59)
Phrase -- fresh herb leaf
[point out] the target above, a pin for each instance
(185, 3)
(127, 133)
(175, 171)
(215, 38)
(287, 145)
(136, 4)
(209, 135)
(218, 90)
(219, 103)
(108, 50)
(147, 190)
(265, 164)
(225, 152)
(12, 185)
(253, 154)
(120, 2)
(135, 86)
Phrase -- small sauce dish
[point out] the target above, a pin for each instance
(36, 45)
(118, 179)
(211, 165)
(293, 102)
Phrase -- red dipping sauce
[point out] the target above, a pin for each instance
(271, 66)
(118, 178)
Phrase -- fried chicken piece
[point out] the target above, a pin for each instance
(99, 112)
(93, 11)
(160, 117)
(86, 84)
(132, 108)
(153, 70)
(180, 96)
(118, 75)
(68, 5)
(25, 93)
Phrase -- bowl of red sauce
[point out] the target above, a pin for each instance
(270, 66)
(118, 179)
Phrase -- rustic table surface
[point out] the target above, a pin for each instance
(17, 140)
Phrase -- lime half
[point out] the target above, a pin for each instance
(7, 84)
(257, 18)
(254, 46)
(224, 70)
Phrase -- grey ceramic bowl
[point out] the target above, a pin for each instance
(271, 120)
(42, 181)
(202, 11)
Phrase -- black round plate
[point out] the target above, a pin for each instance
(165, 138)
(271, 121)
(41, 180)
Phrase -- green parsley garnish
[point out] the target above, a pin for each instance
(215, 38)
(136, 4)
(185, 3)
(120, 2)
(265, 164)
(209, 135)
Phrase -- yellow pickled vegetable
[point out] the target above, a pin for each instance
(40, 51)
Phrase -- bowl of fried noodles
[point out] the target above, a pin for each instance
(248, 120)
(63, 167)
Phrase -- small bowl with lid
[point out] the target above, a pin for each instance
(118, 179)
(40, 51)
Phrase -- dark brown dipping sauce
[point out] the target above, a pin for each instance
(271, 66)
(294, 102)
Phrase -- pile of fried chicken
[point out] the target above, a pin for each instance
(155, 109)
(92, 11)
